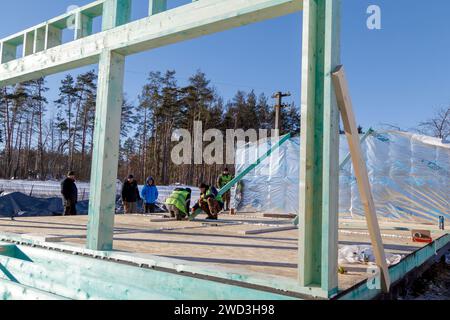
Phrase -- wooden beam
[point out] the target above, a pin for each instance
(362, 177)
(102, 202)
(319, 164)
(186, 22)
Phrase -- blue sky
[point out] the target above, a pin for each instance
(397, 75)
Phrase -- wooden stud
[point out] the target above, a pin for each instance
(39, 40)
(105, 161)
(8, 52)
(319, 173)
(83, 26)
(157, 6)
(362, 177)
(53, 36)
(28, 45)
(115, 13)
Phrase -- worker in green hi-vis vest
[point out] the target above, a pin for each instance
(210, 202)
(222, 181)
(179, 203)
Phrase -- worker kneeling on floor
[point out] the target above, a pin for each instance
(179, 203)
(210, 201)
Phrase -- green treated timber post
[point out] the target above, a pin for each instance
(102, 202)
(319, 164)
(8, 52)
(83, 26)
(157, 6)
(115, 13)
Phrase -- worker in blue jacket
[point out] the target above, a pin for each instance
(149, 194)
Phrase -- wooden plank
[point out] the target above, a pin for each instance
(270, 230)
(105, 161)
(349, 155)
(319, 176)
(280, 215)
(362, 177)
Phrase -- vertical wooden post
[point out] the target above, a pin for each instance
(157, 6)
(362, 177)
(105, 159)
(28, 44)
(53, 36)
(83, 26)
(319, 171)
(115, 13)
(39, 40)
(8, 52)
(102, 202)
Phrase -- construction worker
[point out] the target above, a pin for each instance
(222, 181)
(179, 203)
(130, 195)
(69, 192)
(210, 201)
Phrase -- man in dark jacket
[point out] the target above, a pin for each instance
(69, 192)
(130, 195)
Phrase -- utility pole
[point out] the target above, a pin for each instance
(279, 96)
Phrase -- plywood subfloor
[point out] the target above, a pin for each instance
(220, 244)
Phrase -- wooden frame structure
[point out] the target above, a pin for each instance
(44, 53)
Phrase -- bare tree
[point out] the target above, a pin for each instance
(439, 125)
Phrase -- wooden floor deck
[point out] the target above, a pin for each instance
(233, 243)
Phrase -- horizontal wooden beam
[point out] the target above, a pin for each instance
(186, 22)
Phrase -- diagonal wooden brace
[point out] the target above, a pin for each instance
(362, 177)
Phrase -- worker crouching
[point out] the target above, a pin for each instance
(210, 202)
(179, 202)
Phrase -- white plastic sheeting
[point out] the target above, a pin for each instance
(409, 174)
(49, 189)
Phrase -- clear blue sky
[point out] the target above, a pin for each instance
(397, 75)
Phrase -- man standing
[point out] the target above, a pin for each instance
(222, 181)
(69, 192)
(210, 202)
(149, 194)
(130, 195)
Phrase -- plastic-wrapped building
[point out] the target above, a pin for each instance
(409, 174)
